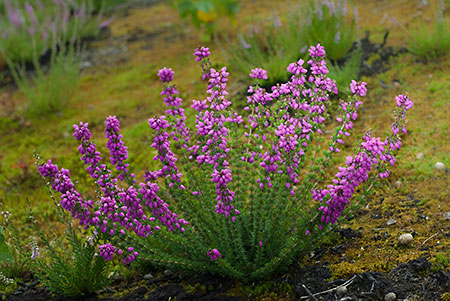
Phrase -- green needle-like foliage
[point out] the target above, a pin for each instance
(430, 45)
(73, 267)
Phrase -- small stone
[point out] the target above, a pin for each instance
(447, 215)
(398, 184)
(396, 84)
(85, 64)
(439, 165)
(168, 273)
(419, 156)
(391, 221)
(390, 297)
(148, 276)
(341, 291)
(405, 239)
(346, 299)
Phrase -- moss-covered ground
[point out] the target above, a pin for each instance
(416, 195)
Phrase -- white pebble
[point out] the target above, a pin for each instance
(341, 290)
(390, 297)
(405, 239)
(419, 156)
(391, 221)
(447, 215)
(439, 165)
(398, 184)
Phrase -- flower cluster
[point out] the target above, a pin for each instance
(201, 53)
(5, 280)
(373, 153)
(214, 254)
(258, 73)
(404, 102)
(117, 148)
(34, 248)
(128, 256)
(107, 251)
(301, 113)
(358, 88)
(71, 199)
(166, 74)
(211, 126)
(118, 209)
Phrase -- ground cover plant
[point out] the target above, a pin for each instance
(43, 20)
(263, 179)
(46, 37)
(431, 44)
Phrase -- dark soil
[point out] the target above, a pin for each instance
(381, 64)
(413, 279)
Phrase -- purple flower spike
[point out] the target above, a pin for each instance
(404, 101)
(166, 74)
(258, 73)
(201, 53)
(318, 51)
(358, 88)
(117, 148)
(81, 132)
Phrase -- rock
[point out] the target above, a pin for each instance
(447, 215)
(341, 291)
(439, 166)
(405, 239)
(168, 273)
(390, 297)
(398, 184)
(148, 276)
(419, 156)
(85, 64)
(391, 221)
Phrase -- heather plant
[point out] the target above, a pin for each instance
(14, 254)
(48, 87)
(30, 28)
(49, 91)
(323, 22)
(344, 74)
(430, 45)
(237, 195)
(272, 49)
(70, 266)
(327, 24)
